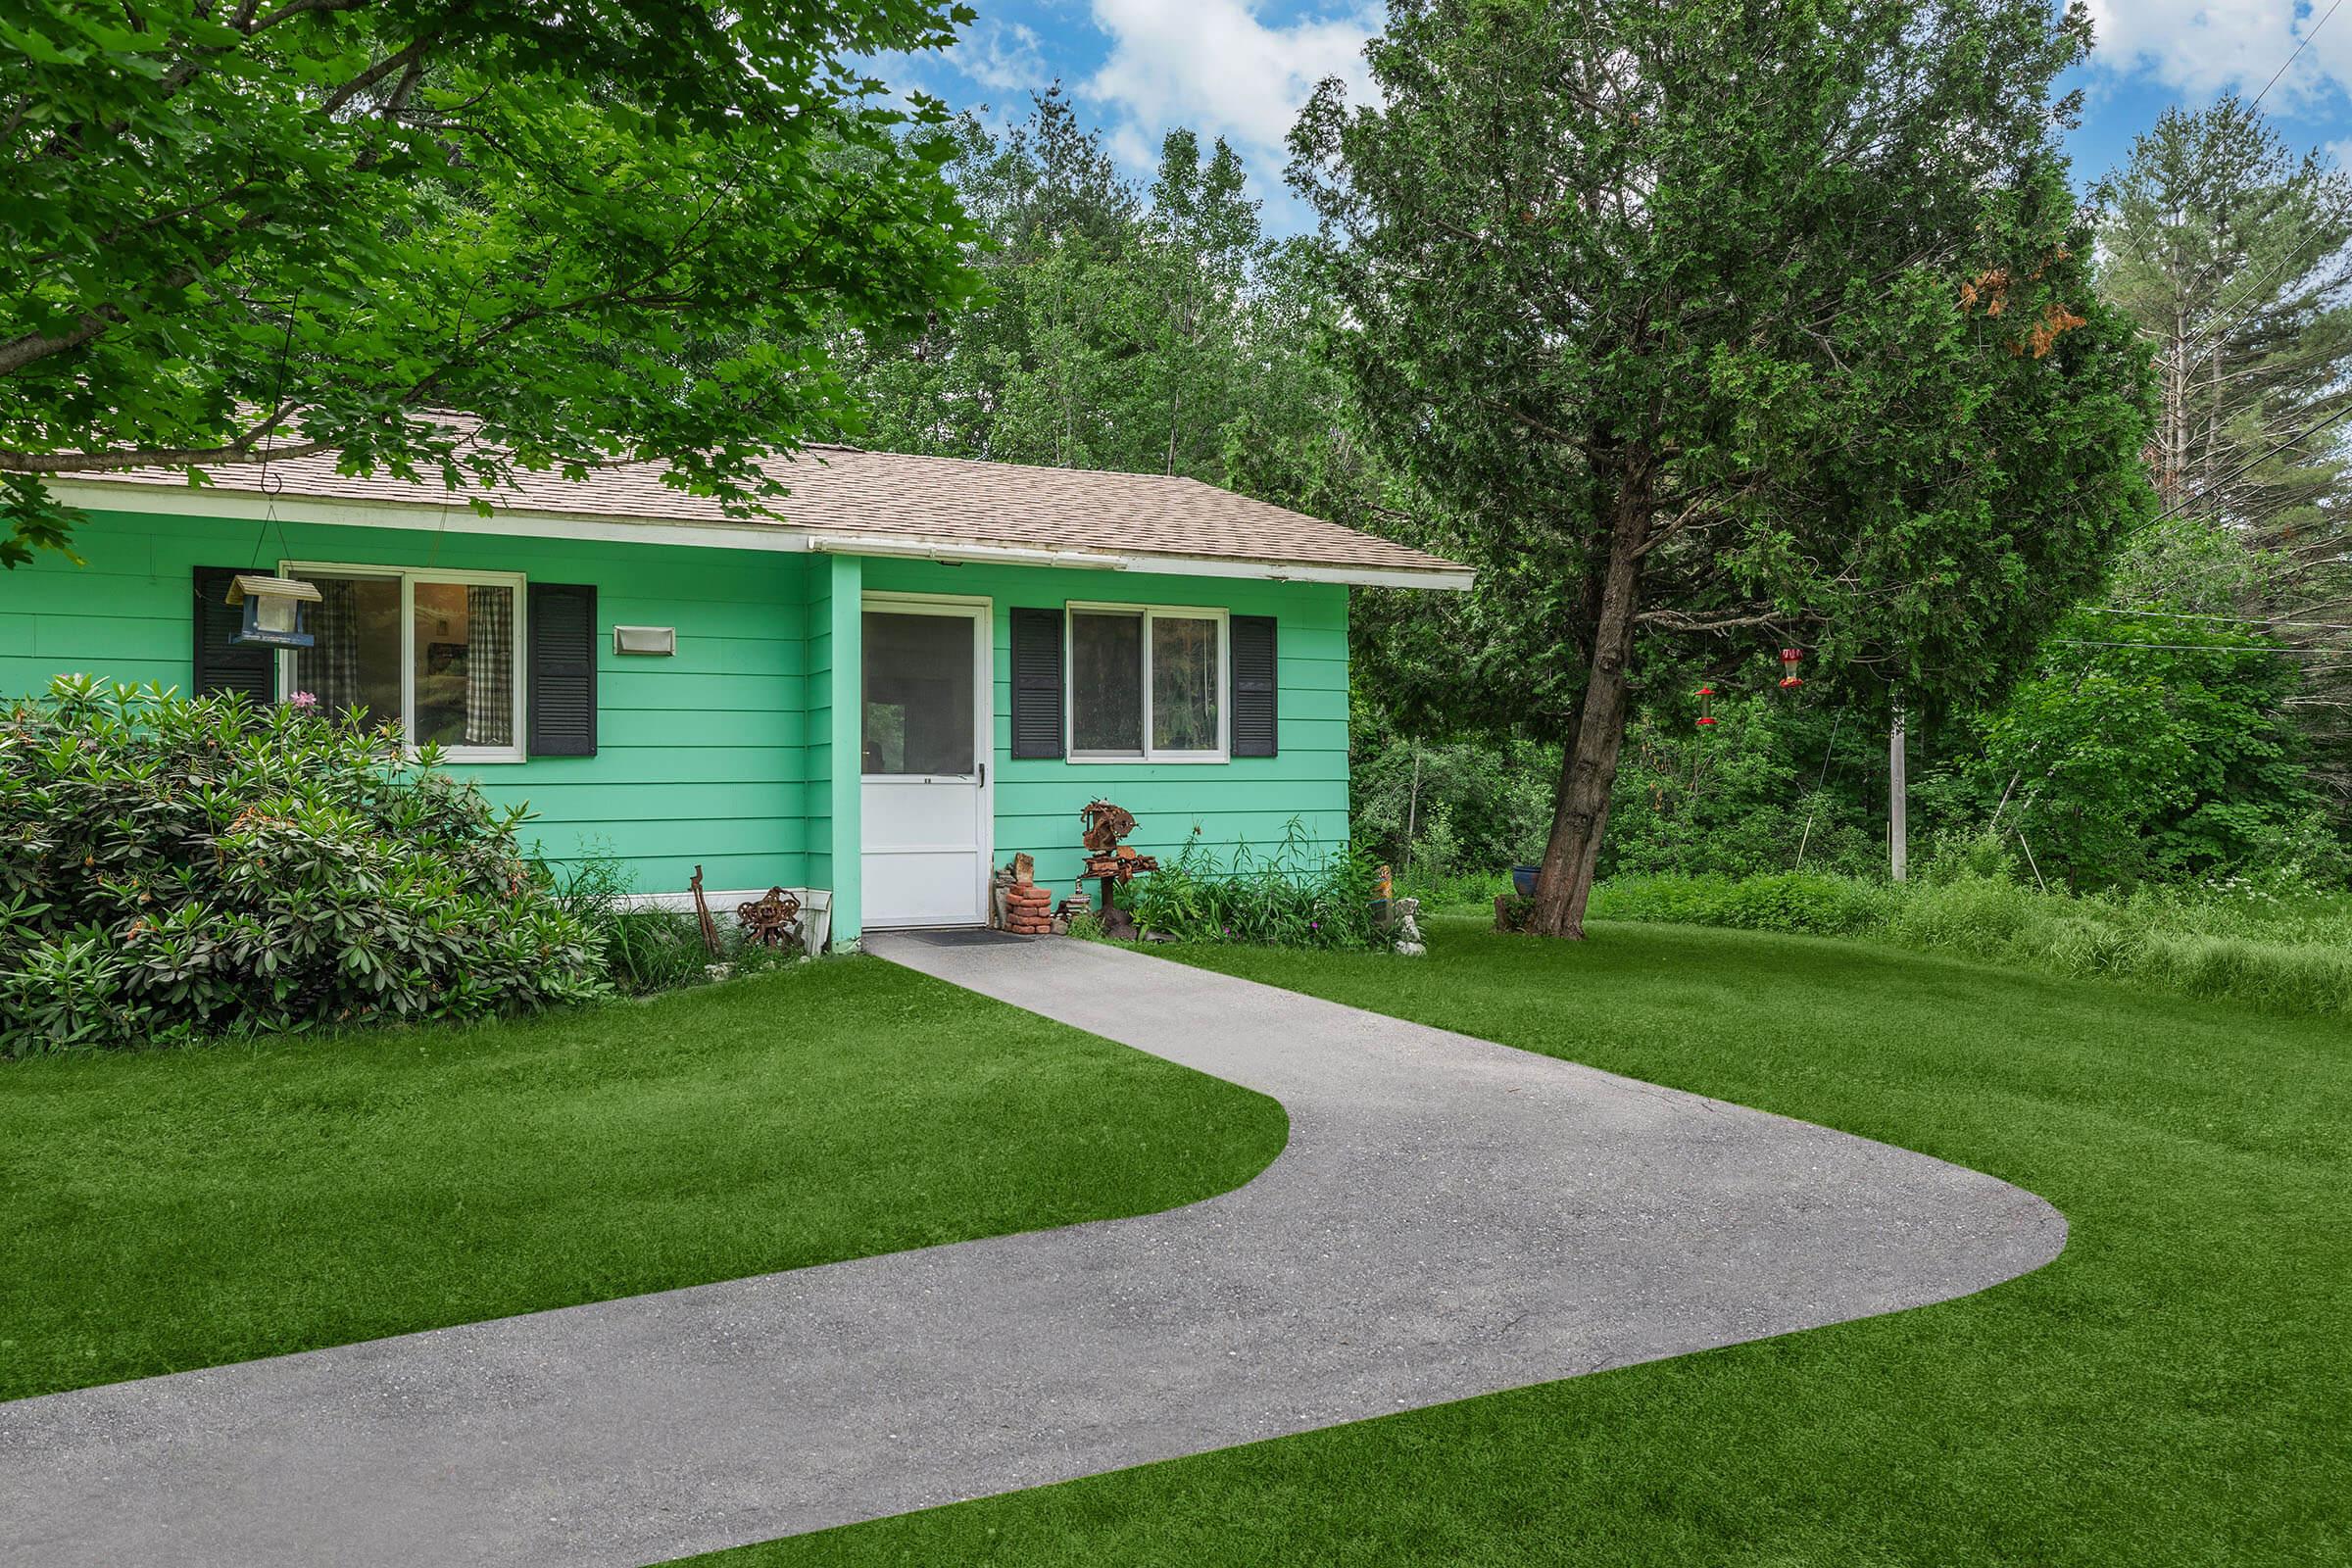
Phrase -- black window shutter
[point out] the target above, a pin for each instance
(1037, 683)
(562, 669)
(221, 666)
(1256, 709)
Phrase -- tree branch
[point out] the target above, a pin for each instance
(236, 451)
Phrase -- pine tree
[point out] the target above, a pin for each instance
(2234, 258)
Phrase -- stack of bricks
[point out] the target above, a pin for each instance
(1028, 909)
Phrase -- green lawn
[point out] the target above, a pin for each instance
(175, 1210)
(2177, 1388)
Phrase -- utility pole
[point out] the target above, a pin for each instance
(1898, 836)
(1412, 810)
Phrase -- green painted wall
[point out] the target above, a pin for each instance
(700, 758)
(1246, 802)
(725, 754)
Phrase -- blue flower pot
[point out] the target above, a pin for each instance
(1523, 877)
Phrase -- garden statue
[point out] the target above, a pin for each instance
(1408, 929)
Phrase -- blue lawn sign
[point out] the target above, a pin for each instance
(276, 611)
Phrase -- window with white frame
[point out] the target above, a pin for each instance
(437, 651)
(1147, 682)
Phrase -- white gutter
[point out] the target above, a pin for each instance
(960, 552)
(459, 517)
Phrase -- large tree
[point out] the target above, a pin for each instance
(2234, 258)
(1729, 324)
(603, 229)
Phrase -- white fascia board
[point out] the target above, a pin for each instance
(964, 551)
(926, 548)
(459, 517)
(1449, 580)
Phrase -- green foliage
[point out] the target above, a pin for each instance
(174, 867)
(1777, 783)
(2230, 253)
(646, 950)
(1435, 812)
(1712, 326)
(650, 948)
(2269, 942)
(606, 228)
(1144, 329)
(1301, 895)
(2168, 758)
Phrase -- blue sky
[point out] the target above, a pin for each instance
(1240, 69)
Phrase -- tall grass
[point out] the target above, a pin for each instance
(648, 949)
(1300, 894)
(2275, 945)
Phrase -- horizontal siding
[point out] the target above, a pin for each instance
(723, 754)
(701, 756)
(1248, 802)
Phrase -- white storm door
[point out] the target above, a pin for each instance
(926, 730)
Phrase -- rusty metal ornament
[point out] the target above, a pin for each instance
(1104, 825)
(772, 920)
(1111, 861)
(702, 914)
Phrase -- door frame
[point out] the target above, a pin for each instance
(982, 611)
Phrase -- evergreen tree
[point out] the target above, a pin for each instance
(1722, 324)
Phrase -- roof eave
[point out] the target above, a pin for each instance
(458, 515)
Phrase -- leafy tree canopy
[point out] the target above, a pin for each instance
(600, 229)
(1724, 326)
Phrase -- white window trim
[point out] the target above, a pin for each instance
(1072, 610)
(408, 578)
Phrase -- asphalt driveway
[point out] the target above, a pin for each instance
(1450, 1218)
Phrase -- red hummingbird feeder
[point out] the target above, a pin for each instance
(1706, 708)
(1789, 658)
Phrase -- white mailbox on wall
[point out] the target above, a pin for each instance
(659, 641)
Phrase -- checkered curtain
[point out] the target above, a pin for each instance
(330, 669)
(489, 666)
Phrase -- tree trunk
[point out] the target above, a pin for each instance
(1588, 766)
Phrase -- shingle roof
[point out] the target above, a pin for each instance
(847, 491)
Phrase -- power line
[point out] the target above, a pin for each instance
(2235, 620)
(2209, 647)
(2291, 59)
(2308, 431)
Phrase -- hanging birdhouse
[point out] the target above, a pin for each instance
(1789, 658)
(277, 612)
(1706, 708)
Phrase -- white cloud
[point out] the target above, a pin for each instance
(1004, 55)
(1215, 66)
(2205, 46)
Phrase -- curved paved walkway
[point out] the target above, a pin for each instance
(1450, 1218)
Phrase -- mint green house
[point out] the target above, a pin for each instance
(917, 668)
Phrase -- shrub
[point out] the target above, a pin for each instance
(172, 867)
(1300, 896)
